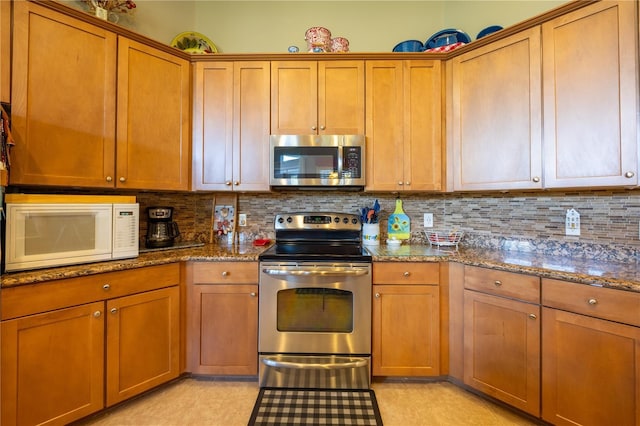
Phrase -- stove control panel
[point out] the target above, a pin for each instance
(325, 221)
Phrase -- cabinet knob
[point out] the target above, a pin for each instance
(122, 179)
(406, 273)
(533, 316)
(225, 273)
(106, 287)
(114, 310)
(314, 128)
(407, 183)
(228, 183)
(377, 295)
(109, 179)
(400, 182)
(592, 301)
(322, 127)
(629, 174)
(236, 183)
(497, 283)
(97, 314)
(252, 294)
(536, 179)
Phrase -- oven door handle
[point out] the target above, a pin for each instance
(319, 272)
(362, 362)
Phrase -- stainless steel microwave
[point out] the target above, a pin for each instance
(54, 230)
(318, 162)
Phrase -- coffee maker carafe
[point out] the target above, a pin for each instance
(161, 230)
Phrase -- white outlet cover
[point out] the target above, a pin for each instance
(572, 223)
(428, 220)
(242, 219)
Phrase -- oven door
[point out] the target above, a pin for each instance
(315, 308)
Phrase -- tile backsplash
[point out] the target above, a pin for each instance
(530, 221)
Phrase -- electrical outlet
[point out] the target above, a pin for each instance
(572, 223)
(428, 220)
(242, 219)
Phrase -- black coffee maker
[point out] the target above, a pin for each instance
(161, 229)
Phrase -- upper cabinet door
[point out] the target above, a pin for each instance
(341, 97)
(64, 94)
(294, 97)
(495, 110)
(317, 97)
(5, 51)
(590, 97)
(154, 117)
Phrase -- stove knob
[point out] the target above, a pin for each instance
(280, 219)
(345, 220)
(336, 219)
(354, 221)
(289, 219)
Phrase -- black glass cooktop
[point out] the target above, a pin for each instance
(316, 252)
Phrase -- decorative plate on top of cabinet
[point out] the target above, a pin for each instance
(193, 42)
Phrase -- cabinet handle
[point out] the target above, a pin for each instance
(106, 287)
(407, 183)
(536, 179)
(322, 127)
(314, 128)
(406, 273)
(228, 183)
(377, 295)
(122, 179)
(629, 174)
(497, 283)
(400, 182)
(225, 273)
(97, 314)
(114, 310)
(236, 183)
(109, 179)
(252, 294)
(532, 316)
(592, 301)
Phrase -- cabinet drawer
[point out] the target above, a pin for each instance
(406, 273)
(501, 283)
(606, 303)
(31, 299)
(224, 272)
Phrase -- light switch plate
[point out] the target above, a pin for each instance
(572, 223)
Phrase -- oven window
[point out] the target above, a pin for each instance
(319, 310)
(305, 163)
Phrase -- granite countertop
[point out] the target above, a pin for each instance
(621, 276)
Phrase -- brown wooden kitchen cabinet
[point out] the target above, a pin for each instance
(590, 106)
(404, 125)
(68, 75)
(222, 318)
(54, 342)
(317, 97)
(502, 336)
(231, 121)
(405, 319)
(591, 355)
(5, 51)
(496, 115)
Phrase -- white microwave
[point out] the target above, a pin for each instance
(55, 230)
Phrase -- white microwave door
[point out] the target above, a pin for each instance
(40, 235)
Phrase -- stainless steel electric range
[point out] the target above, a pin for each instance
(315, 304)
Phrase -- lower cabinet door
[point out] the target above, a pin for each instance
(143, 342)
(591, 370)
(53, 366)
(502, 349)
(223, 329)
(406, 330)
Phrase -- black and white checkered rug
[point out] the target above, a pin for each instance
(277, 406)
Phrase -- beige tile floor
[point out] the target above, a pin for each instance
(229, 403)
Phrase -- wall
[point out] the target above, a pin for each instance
(529, 221)
(272, 26)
